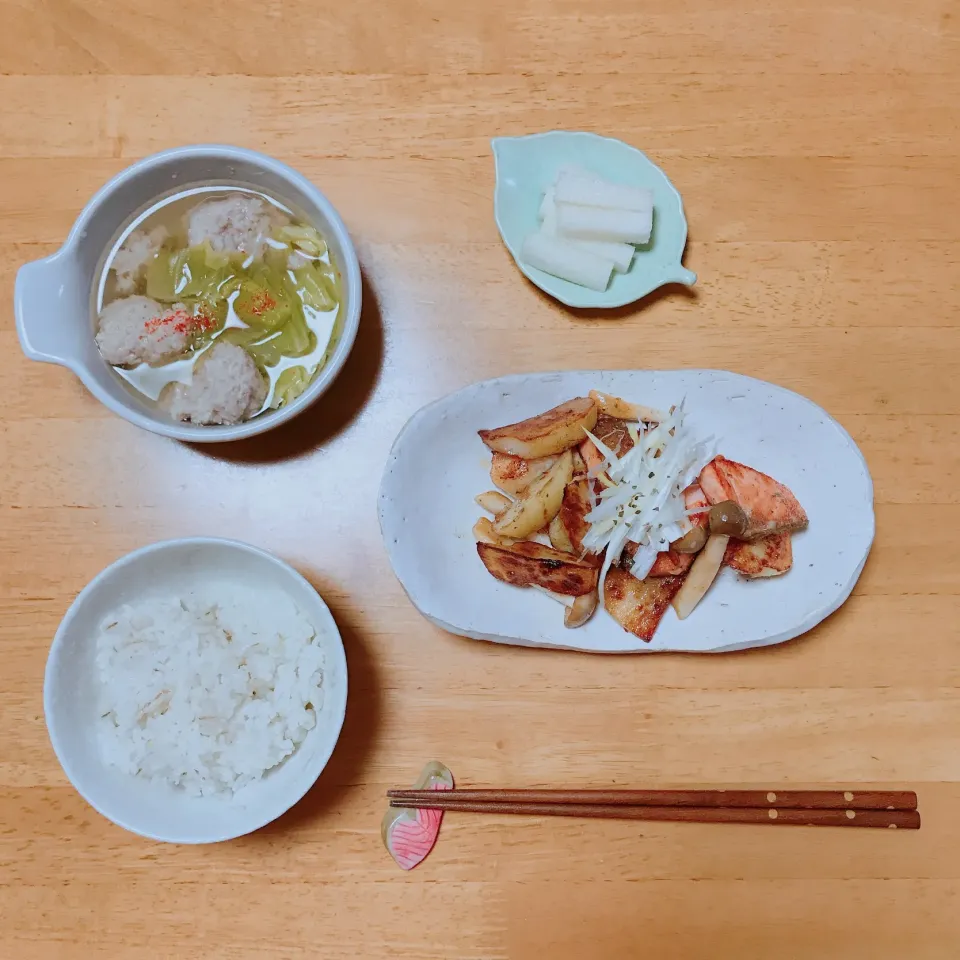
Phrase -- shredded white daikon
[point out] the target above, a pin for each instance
(643, 501)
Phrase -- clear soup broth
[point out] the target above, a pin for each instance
(215, 265)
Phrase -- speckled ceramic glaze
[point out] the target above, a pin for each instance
(438, 465)
(525, 166)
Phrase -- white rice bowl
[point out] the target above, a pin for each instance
(195, 690)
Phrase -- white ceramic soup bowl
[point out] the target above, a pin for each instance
(71, 690)
(52, 298)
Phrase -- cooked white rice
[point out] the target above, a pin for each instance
(210, 690)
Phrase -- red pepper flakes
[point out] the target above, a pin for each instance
(204, 319)
(262, 302)
(180, 321)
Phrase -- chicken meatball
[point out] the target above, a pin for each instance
(226, 388)
(239, 223)
(138, 330)
(131, 259)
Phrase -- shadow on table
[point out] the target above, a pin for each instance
(356, 741)
(332, 413)
(678, 290)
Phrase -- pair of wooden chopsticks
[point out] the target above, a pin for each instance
(818, 808)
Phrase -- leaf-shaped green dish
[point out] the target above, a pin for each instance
(525, 166)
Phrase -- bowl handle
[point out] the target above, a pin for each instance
(50, 306)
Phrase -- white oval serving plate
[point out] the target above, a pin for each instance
(438, 464)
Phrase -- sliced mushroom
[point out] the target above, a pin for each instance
(580, 611)
(693, 541)
(728, 518)
(701, 576)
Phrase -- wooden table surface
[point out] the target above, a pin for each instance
(816, 146)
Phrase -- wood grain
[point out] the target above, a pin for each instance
(816, 148)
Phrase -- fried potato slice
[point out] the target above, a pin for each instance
(527, 564)
(638, 605)
(493, 502)
(514, 474)
(625, 410)
(559, 537)
(539, 505)
(548, 433)
(766, 557)
(484, 533)
(579, 465)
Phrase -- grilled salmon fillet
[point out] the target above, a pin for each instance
(669, 563)
(769, 505)
(764, 557)
(693, 497)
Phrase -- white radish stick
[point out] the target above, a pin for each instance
(620, 253)
(548, 213)
(588, 191)
(597, 223)
(566, 260)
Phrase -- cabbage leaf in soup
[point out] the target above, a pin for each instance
(194, 272)
(314, 288)
(290, 384)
